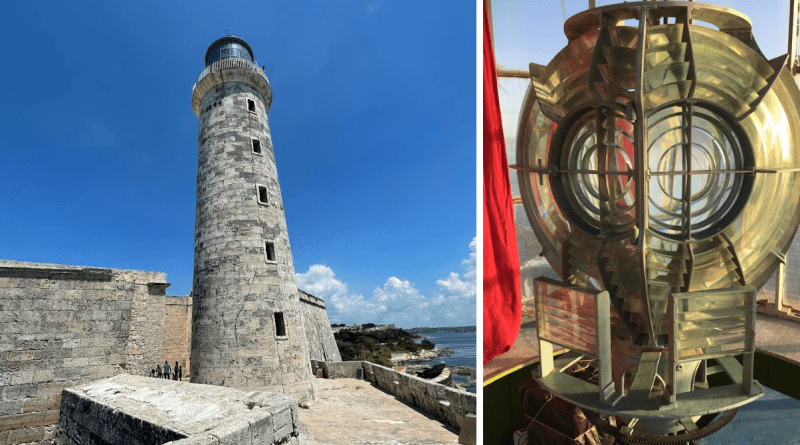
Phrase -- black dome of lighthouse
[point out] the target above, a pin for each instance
(228, 46)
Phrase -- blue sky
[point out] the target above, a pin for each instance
(527, 32)
(373, 122)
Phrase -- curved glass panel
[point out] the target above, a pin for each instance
(710, 182)
(228, 48)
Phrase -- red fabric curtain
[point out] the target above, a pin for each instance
(501, 288)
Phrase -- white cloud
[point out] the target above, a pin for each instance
(457, 287)
(398, 301)
(319, 281)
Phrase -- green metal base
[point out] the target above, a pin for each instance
(641, 406)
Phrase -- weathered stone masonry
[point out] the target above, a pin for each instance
(133, 410)
(66, 325)
(247, 328)
(321, 343)
(62, 326)
(178, 332)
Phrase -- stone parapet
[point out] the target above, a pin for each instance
(135, 410)
(307, 298)
(449, 405)
(230, 70)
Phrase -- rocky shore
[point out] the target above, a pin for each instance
(410, 360)
(402, 358)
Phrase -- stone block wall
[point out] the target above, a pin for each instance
(178, 332)
(321, 343)
(65, 325)
(341, 370)
(135, 410)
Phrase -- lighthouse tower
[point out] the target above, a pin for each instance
(247, 329)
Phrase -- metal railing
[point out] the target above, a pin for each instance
(229, 63)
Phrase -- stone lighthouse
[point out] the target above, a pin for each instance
(247, 329)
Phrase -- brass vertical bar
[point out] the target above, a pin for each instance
(672, 322)
(605, 138)
(687, 164)
(641, 169)
(686, 19)
(602, 320)
(780, 285)
(545, 348)
(603, 39)
(794, 27)
(546, 363)
(750, 340)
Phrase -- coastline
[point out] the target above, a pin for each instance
(403, 358)
(410, 360)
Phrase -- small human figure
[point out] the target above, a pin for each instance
(166, 369)
(180, 372)
(152, 372)
(175, 371)
(158, 371)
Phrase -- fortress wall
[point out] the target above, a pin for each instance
(178, 332)
(321, 344)
(65, 325)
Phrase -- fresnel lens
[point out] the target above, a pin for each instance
(650, 161)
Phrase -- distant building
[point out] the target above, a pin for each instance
(367, 327)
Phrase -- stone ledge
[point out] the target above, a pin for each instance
(305, 297)
(140, 410)
(25, 269)
(88, 274)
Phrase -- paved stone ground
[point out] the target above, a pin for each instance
(353, 412)
(778, 337)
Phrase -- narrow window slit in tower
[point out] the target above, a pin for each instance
(280, 327)
(251, 105)
(269, 249)
(262, 194)
(256, 146)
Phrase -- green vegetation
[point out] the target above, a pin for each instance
(377, 346)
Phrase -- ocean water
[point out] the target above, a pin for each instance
(464, 348)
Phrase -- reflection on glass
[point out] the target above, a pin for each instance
(711, 325)
(566, 317)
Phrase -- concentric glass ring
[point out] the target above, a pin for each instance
(697, 172)
(597, 183)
